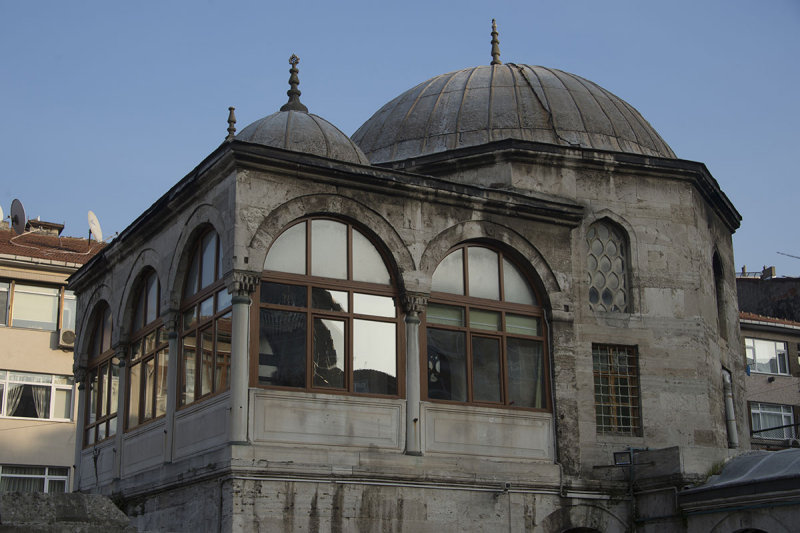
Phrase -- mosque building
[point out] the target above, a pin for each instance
(503, 304)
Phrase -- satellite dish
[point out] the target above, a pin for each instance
(94, 227)
(18, 219)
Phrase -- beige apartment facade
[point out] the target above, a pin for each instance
(37, 324)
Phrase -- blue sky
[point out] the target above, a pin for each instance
(108, 104)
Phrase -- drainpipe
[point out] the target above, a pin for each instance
(730, 414)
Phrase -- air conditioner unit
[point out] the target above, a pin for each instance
(66, 338)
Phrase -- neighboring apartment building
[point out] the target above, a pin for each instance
(770, 328)
(37, 332)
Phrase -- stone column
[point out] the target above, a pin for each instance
(414, 304)
(171, 318)
(121, 355)
(79, 371)
(241, 285)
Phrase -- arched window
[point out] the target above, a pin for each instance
(205, 324)
(607, 267)
(485, 340)
(103, 376)
(328, 319)
(149, 356)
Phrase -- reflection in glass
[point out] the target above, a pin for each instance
(449, 275)
(224, 299)
(368, 264)
(208, 259)
(223, 353)
(189, 345)
(328, 249)
(207, 361)
(133, 396)
(162, 360)
(152, 298)
(149, 369)
(282, 348)
(288, 252)
(522, 325)
(282, 294)
(328, 359)
(525, 373)
(484, 277)
(515, 286)
(374, 357)
(371, 304)
(207, 308)
(447, 365)
(328, 300)
(486, 370)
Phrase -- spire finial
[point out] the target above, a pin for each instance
(231, 124)
(495, 45)
(294, 93)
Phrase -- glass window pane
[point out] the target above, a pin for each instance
(133, 394)
(449, 275)
(102, 389)
(207, 362)
(515, 285)
(62, 407)
(288, 252)
(21, 484)
(149, 379)
(152, 298)
(328, 300)
(189, 318)
(192, 278)
(68, 314)
(188, 367)
(24, 470)
(3, 303)
(2, 385)
(208, 259)
(207, 308)
(486, 320)
(328, 362)
(484, 276)
(56, 485)
(328, 249)
(281, 294)
(162, 362)
(374, 357)
(224, 299)
(282, 348)
(371, 304)
(525, 373)
(92, 405)
(486, 370)
(445, 314)
(106, 345)
(112, 427)
(523, 325)
(447, 365)
(29, 401)
(223, 353)
(114, 389)
(35, 307)
(368, 264)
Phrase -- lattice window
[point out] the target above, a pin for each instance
(616, 389)
(607, 267)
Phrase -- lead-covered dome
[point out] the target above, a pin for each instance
(478, 105)
(294, 128)
(300, 131)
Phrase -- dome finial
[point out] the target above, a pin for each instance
(294, 93)
(231, 124)
(495, 45)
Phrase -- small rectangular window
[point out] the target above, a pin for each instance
(616, 389)
(766, 357)
(35, 307)
(772, 421)
(29, 395)
(15, 478)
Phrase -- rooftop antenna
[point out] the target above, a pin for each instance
(18, 219)
(495, 45)
(94, 227)
(294, 103)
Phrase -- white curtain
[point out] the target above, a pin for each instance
(41, 399)
(14, 395)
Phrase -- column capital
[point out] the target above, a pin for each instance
(242, 283)
(414, 303)
(80, 372)
(171, 320)
(121, 354)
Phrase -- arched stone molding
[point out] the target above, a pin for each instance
(752, 520)
(579, 254)
(370, 222)
(481, 230)
(584, 516)
(203, 217)
(101, 294)
(147, 260)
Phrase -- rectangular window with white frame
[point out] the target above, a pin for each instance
(766, 357)
(42, 396)
(778, 419)
(29, 306)
(15, 478)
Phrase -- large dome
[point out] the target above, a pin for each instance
(487, 103)
(300, 131)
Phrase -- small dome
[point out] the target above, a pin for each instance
(487, 103)
(303, 132)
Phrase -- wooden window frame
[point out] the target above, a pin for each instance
(100, 360)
